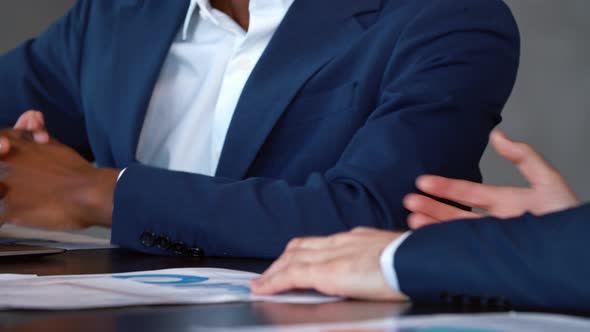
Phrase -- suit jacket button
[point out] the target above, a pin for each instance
(163, 242)
(475, 301)
(458, 300)
(492, 302)
(196, 252)
(504, 303)
(148, 239)
(178, 248)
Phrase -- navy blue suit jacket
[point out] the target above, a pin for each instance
(527, 262)
(349, 103)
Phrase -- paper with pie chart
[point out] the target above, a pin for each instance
(172, 286)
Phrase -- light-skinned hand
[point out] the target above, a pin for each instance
(548, 191)
(345, 265)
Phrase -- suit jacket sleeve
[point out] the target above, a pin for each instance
(526, 262)
(445, 84)
(43, 74)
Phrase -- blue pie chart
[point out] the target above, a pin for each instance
(164, 279)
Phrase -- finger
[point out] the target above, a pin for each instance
(529, 162)
(419, 220)
(292, 247)
(363, 230)
(40, 119)
(295, 276)
(285, 259)
(41, 137)
(30, 120)
(4, 146)
(34, 122)
(467, 193)
(320, 242)
(434, 209)
(296, 256)
(311, 242)
(22, 122)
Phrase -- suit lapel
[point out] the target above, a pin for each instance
(312, 33)
(146, 30)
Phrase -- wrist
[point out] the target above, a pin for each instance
(95, 196)
(387, 261)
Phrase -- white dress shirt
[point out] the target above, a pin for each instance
(388, 261)
(199, 87)
(200, 84)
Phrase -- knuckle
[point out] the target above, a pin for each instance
(287, 256)
(334, 239)
(294, 243)
(340, 236)
(343, 237)
(361, 229)
(526, 148)
(334, 266)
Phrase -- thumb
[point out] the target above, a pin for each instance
(528, 161)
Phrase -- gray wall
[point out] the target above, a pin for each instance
(550, 106)
(23, 19)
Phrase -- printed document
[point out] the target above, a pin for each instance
(173, 286)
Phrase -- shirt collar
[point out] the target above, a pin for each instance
(206, 11)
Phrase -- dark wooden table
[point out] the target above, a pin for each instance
(182, 318)
(169, 318)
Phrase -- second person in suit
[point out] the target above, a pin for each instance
(530, 250)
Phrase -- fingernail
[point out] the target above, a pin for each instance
(41, 137)
(423, 182)
(408, 201)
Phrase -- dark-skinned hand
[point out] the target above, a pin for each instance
(50, 185)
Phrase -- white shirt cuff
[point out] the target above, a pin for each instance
(388, 260)
(121, 174)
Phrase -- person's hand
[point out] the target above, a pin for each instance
(30, 121)
(34, 122)
(345, 265)
(548, 191)
(51, 186)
